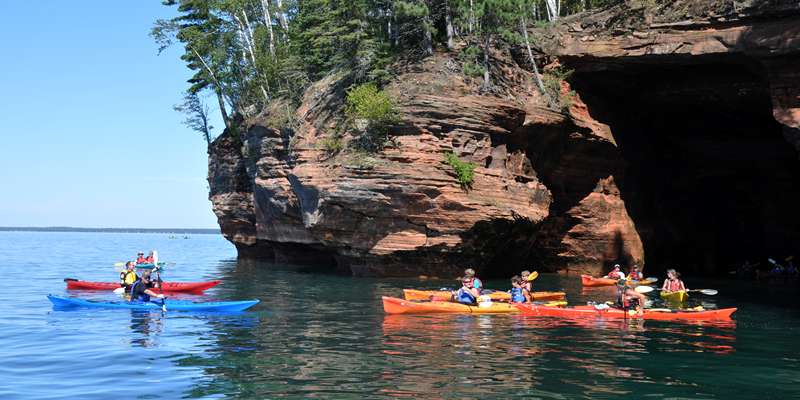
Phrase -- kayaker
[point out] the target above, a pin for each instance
(470, 273)
(468, 294)
(128, 276)
(141, 290)
(615, 273)
(518, 291)
(140, 258)
(149, 259)
(527, 284)
(635, 274)
(673, 283)
(629, 299)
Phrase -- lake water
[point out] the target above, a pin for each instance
(318, 335)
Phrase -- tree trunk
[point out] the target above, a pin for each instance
(487, 84)
(449, 23)
(225, 118)
(552, 9)
(536, 77)
(471, 16)
(268, 23)
(282, 18)
(428, 39)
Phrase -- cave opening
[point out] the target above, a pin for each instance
(709, 179)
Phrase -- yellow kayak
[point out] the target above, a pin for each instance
(444, 295)
(393, 305)
(674, 297)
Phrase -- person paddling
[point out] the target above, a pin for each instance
(518, 291)
(128, 276)
(142, 289)
(635, 274)
(468, 294)
(150, 258)
(140, 258)
(628, 298)
(476, 283)
(673, 283)
(616, 273)
(526, 281)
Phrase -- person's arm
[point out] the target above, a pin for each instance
(664, 286)
(151, 293)
(527, 294)
(475, 292)
(683, 287)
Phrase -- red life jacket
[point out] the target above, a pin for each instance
(149, 260)
(141, 260)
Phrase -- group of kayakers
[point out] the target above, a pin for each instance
(140, 287)
(522, 287)
(471, 286)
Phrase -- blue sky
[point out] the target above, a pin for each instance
(88, 136)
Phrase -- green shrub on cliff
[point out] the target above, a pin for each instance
(371, 112)
(367, 102)
(552, 81)
(331, 145)
(465, 171)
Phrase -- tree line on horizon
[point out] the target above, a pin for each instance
(246, 54)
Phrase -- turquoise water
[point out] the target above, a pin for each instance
(318, 335)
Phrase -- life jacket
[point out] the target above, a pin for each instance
(148, 260)
(477, 284)
(673, 285)
(127, 278)
(144, 297)
(465, 297)
(635, 276)
(141, 260)
(517, 295)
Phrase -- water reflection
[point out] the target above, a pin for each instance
(146, 327)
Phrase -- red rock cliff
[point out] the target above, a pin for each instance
(550, 189)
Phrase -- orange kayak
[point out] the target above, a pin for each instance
(590, 281)
(654, 314)
(444, 295)
(392, 305)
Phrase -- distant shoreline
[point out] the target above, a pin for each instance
(109, 230)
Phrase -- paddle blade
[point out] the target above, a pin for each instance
(119, 290)
(709, 292)
(119, 264)
(643, 289)
(651, 279)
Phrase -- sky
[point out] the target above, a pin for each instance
(88, 136)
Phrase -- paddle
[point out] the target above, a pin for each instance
(648, 289)
(709, 292)
(70, 280)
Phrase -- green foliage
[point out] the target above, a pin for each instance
(552, 81)
(465, 171)
(245, 57)
(470, 64)
(332, 144)
(367, 102)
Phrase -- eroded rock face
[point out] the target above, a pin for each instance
(701, 101)
(402, 212)
(552, 191)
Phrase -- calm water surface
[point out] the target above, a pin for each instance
(319, 335)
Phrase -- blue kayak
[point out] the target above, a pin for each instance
(172, 305)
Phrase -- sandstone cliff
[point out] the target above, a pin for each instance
(552, 191)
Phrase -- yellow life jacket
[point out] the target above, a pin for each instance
(129, 278)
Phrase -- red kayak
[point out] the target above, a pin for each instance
(169, 287)
(655, 314)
